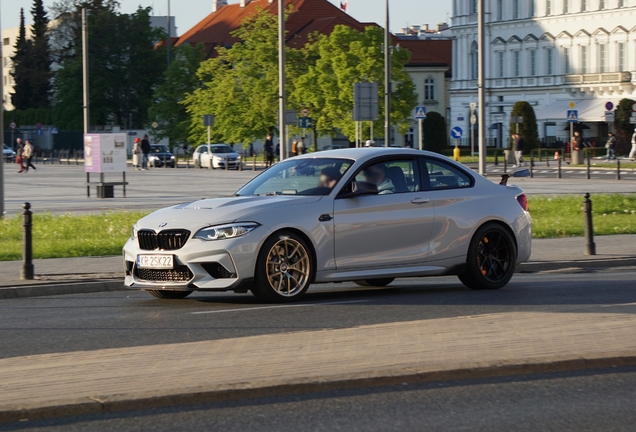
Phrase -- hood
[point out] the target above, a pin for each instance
(208, 212)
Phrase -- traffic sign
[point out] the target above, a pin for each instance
(38, 126)
(572, 105)
(609, 116)
(516, 119)
(38, 132)
(305, 122)
(609, 106)
(208, 120)
(305, 112)
(634, 106)
(420, 112)
(573, 116)
(12, 125)
(155, 125)
(456, 132)
(632, 120)
(54, 131)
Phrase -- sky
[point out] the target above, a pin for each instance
(402, 12)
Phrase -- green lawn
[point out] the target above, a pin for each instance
(68, 235)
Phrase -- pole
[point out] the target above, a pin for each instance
(169, 36)
(481, 84)
(281, 77)
(590, 246)
(420, 125)
(355, 123)
(371, 130)
(2, 133)
(472, 137)
(27, 272)
(85, 70)
(571, 137)
(387, 80)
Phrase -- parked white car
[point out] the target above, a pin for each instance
(362, 215)
(217, 154)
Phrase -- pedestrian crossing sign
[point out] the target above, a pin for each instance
(420, 112)
(573, 116)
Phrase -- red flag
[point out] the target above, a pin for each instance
(344, 5)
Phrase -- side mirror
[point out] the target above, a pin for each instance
(362, 188)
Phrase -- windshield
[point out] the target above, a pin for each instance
(159, 148)
(222, 149)
(316, 176)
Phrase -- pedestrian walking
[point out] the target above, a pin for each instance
(610, 145)
(19, 149)
(518, 145)
(135, 153)
(632, 153)
(294, 149)
(577, 140)
(269, 151)
(27, 154)
(278, 151)
(145, 149)
(300, 148)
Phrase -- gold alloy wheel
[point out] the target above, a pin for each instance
(288, 267)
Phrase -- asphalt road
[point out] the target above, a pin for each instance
(61, 188)
(132, 318)
(601, 400)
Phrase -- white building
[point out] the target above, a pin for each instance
(549, 53)
(9, 38)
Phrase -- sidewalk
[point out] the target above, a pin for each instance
(107, 272)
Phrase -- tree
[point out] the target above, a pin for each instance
(40, 57)
(527, 129)
(622, 126)
(179, 80)
(434, 128)
(240, 85)
(124, 67)
(344, 57)
(23, 90)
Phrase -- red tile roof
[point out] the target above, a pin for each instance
(309, 16)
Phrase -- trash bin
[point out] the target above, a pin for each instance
(509, 155)
(577, 158)
(106, 191)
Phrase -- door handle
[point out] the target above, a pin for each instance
(420, 200)
(325, 218)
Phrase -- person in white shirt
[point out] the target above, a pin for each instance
(632, 153)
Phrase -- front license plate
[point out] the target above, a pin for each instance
(155, 261)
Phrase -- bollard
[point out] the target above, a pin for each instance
(505, 165)
(27, 272)
(618, 169)
(68, 157)
(590, 247)
(227, 163)
(588, 168)
(531, 167)
(496, 158)
(559, 168)
(254, 164)
(240, 163)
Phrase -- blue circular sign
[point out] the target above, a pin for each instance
(456, 132)
(609, 106)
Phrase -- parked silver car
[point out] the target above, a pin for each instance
(8, 154)
(217, 155)
(362, 215)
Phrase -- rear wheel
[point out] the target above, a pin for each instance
(284, 269)
(162, 294)
(491, 259)
(374, 282)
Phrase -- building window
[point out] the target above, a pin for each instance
(548, 7)
(566, 6)
(473, 6)
(584, 59)
(601, 4)
(429, 89)
(515, 9)
(583, 5)
(621, 56)
(549, 63)
(517, 63)
(532, 8)
(602, 58)
(6, 41)
(499, 10)
(621, 3)
(474, 54)
(533, 62)
(500, 64)
(566, 61)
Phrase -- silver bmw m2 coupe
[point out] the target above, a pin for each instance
(366, 215)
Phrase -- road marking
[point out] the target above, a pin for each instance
(278, 307)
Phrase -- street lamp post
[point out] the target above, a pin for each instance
(169, 36)
(2, 132)
(481, 84)
(87, 120)
(387, 80)
(281, 78)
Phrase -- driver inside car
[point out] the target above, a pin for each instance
(329, 177)
(376, 174)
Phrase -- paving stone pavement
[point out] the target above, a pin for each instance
(37, 381)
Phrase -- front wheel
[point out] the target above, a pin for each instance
(162, 294)
(284, 269)
(374, 282)
(491, 258)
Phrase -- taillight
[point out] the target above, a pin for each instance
(523, 201)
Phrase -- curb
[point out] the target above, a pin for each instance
(241, 391)
(540, 266)
(79, 287)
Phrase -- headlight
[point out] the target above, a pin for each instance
(238, 157)
(223, 232)
(133, 234)
(218, 158)
(171, 157)
(152, 158)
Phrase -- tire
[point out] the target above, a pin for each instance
(374, 282)
(491, 258)
(284, 269)
(163, 294)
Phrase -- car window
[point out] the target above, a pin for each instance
(392, 176)
(442, 175)
(159, 149)
(222, 149)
